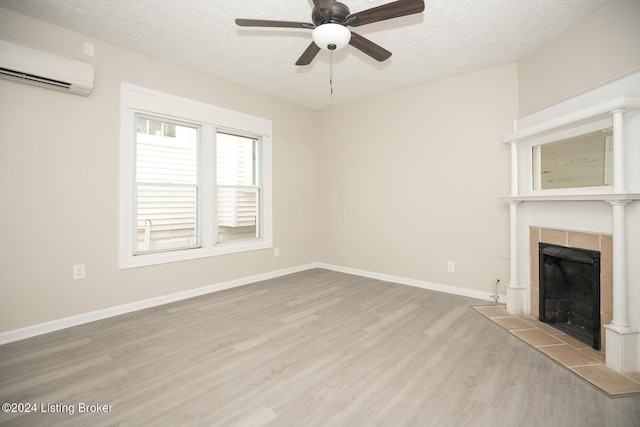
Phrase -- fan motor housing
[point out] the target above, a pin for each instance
(340, 12)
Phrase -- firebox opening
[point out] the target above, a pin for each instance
(570, 291)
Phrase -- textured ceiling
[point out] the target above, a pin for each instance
(450, 37)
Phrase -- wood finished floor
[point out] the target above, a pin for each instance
(316, 348)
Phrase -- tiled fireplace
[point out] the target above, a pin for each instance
(552, 203)
(591, 241)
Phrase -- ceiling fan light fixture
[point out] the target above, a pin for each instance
(331, 36)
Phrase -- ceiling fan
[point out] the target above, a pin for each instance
(330, 21)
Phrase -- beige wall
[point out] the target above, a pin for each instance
(597, 48)
(411, 179)
(59, 160)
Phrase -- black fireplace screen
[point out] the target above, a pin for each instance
(570, 291)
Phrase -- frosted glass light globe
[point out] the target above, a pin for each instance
(331, 36)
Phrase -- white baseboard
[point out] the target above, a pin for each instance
(67, 322)
(487, 296)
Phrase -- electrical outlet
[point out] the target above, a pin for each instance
(451, 266)
(79, 272)
(276, 251)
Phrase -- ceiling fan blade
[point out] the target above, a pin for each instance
(267, 23)
(384, 12)
(370, 48)
(308, 55)
(324, 7)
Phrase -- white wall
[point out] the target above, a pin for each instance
(411, 179)
(59, 161)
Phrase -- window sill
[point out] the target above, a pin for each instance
(135, 261)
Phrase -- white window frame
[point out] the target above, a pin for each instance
(135, 99)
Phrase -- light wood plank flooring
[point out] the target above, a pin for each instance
(317, 348)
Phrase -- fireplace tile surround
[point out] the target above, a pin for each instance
(579, 240)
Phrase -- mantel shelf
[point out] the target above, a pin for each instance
(592, 112)
(604, 197)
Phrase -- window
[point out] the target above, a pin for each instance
(166, 188)
(195, 180)
(238, 187)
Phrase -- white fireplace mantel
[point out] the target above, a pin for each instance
(606, 106)
(605, 197)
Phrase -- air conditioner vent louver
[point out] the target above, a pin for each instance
(34, 78)
(24, 64)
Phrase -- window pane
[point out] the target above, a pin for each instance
(166, 217)
(236, 160)
(167, 159)
(166, 183)
(238, 187)
(237, 214)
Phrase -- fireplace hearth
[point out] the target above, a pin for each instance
(570, 291)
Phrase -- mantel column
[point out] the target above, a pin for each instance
(618, 151)
(514, 168)
(620, 318)
(515, 291)
(622, 341)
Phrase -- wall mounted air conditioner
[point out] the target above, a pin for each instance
(37, 67)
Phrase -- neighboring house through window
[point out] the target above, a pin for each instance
(195, 180)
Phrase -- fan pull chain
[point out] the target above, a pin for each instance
(331, 71)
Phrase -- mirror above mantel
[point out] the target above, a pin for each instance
(578, 162)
